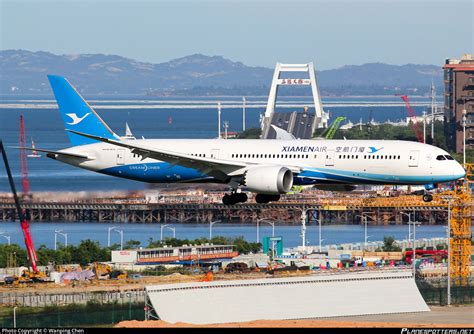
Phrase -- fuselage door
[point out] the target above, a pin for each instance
(413, 160)
(329, 158)
(120, 156)
(215, 153)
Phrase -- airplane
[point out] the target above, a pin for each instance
(267, 168)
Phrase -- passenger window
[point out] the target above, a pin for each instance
(440, 157)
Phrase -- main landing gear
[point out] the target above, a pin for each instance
(234, 198)
(264, 199)
(240, 197)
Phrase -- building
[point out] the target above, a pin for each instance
(459, 96)
(299, 124)
(186, 254)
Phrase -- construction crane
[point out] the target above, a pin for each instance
(333, 127)
(25, 225)
(411, 114)
(23, 164)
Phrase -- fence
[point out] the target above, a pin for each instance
(439, 295)
(53, 299)
(74, 315)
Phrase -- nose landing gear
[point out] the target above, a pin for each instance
(427, 197)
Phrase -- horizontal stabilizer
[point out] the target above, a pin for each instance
(66, 154)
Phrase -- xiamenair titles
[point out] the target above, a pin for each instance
(323, 149)
(267, 168)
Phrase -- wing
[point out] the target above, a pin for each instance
(218, 168)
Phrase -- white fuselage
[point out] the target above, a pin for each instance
(320, 161)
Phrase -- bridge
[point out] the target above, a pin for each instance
(380, 210)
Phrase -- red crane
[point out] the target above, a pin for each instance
(25, 225)
(23, 164)
(414, 123)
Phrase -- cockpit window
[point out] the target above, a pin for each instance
(440, 157)
(448, 157)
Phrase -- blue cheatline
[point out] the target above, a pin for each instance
(164, 172)
(155, 172)
(77, 115)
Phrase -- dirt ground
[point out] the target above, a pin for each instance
(119, 284)
(439, 317)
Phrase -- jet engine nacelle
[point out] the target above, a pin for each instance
(335, 187)
(269, 180)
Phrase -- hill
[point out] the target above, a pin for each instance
(24, 72)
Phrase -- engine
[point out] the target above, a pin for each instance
(335, 187)
(268, 180)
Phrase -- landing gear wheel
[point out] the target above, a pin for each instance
(241, 197)
(227, 200)
(234, 198)
(427, 197)
(262, 199)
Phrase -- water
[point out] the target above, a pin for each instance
(43, 233)
(191, 118)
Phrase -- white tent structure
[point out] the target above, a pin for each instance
(286, 298)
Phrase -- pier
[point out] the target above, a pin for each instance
(378, 210)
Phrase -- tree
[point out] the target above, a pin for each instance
(90, 251)
(13, 251)
(253, 133)
(132, 244)
(389, 245)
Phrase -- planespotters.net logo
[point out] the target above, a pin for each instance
(437, 331)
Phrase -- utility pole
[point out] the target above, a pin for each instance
(414, 248)
(219, 120)
(243, 113)
(424, 126)
(303, 228)
(433, 108)
(226, 126)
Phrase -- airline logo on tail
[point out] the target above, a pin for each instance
(76, 119)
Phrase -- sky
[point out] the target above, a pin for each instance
(330, 33)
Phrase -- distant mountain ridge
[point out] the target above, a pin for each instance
(24, 72)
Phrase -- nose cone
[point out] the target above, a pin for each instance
(458, 171)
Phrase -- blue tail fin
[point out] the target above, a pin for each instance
(77, 115)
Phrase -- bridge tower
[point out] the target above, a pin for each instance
(321, 119)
